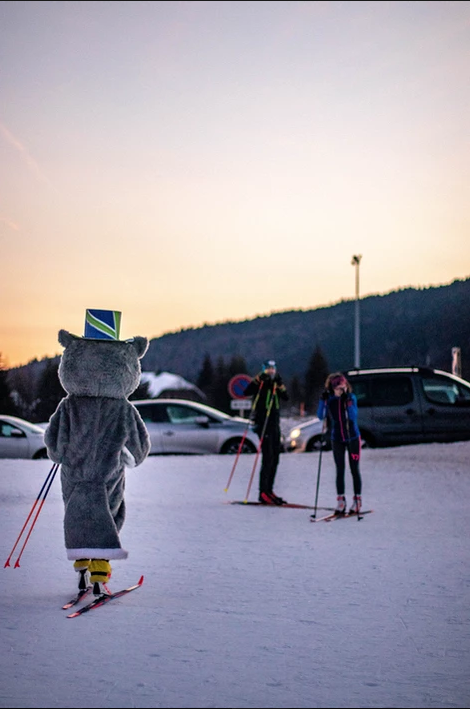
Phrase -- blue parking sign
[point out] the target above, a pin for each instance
(237, 385)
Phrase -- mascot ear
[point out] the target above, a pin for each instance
(65, 338)
(140, 344)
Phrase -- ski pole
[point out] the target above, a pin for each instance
(240, 447)
(260, 443)
(17, 562)
(322, 439)
(47, 482)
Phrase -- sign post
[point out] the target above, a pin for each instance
(236, 388)
(456, 361)
(241, 404)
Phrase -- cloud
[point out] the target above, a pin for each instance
(30, 162)
(9, 223)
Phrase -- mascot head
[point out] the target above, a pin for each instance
(99, 364)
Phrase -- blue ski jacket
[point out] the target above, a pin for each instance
(342, 417)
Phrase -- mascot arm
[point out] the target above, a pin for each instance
(128, 459)
(138, 441)
(56, 436)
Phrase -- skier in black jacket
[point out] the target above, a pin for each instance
(267, 388)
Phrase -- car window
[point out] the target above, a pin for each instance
(391, 390)
(362, 391)
(464, 394)
(153, 413)
(7, 430)
(182, 414)
(439, 390)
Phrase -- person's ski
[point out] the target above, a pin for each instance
(76, 599)
(293, 505)
(326, 518)
(332, 517)
(105, 598)
(354, 514)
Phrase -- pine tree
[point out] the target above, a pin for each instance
(221, 396)
(205, 378)
(49, 393)
(142, 392)
(237, 366)
(296, 396)
(315, 377)
(7, 405)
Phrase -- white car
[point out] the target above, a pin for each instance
(21, 439)
(183, 426)
(306, 437)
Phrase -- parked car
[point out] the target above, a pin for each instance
(306, 437)
(399, 405)
(21, 439)
(183, 426)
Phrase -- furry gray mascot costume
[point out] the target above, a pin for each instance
(94, 434)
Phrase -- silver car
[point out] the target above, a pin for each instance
(182, 426)
(21, 439)
(397, 406)
(306, 437)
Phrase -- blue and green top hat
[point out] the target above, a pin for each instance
(102, 324)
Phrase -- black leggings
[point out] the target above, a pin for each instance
(270, 450)
(354, 455)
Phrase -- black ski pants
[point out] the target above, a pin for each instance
(354, 455)
(270, 451)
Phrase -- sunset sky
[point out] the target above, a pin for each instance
(198, 162)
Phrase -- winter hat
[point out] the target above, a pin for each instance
(102, 324)
(269, 363)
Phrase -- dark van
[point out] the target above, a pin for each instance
(411, 405)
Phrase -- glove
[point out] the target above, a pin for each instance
(325, 395)
(344, 397)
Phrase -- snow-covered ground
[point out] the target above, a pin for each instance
(250, 606)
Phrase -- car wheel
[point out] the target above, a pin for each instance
(41, 454)
(232, 446)
(317, 443)
(367, 440)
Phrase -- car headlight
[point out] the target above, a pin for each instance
(295, 433)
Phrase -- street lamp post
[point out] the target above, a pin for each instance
(356, 260)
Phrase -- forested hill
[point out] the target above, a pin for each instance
(407, 326)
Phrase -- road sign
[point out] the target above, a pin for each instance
(237, 386)
(243, 404)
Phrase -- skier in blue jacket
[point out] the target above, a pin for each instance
(339, 405)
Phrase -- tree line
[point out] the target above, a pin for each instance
(405, 327)
(34, 392)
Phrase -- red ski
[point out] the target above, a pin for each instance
(289, 505)
(105, 598)
(333, 517)
(76, 599)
